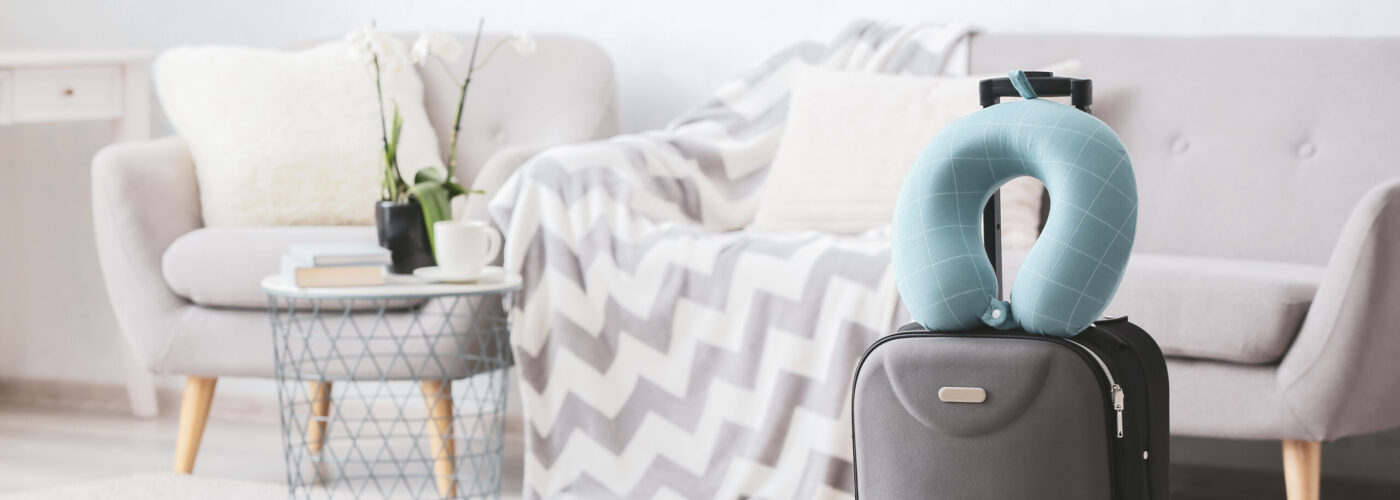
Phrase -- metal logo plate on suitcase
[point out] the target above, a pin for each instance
(962, 394)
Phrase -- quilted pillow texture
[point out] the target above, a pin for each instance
(291, 138)
(1070, 274)
(850, 140)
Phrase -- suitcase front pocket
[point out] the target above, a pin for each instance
(918, 378)
(1043, 428)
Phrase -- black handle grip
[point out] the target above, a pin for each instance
(1045, 83)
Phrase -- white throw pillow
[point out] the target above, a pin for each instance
(291, 138)
(851, 138)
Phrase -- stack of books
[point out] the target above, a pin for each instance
(335, 264)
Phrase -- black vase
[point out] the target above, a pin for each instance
(401, 230)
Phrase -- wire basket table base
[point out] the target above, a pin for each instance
(392, 397)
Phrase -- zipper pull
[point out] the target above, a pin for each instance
(1117, 392)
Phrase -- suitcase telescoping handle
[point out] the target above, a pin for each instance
(991, 90)
(1045, 84)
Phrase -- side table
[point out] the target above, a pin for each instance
(377, 403)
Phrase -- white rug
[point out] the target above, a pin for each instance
(158, 487)
(166, 487)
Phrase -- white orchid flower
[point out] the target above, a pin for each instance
(437, 44)
(523, 43)
(420, 50)
(367, 43)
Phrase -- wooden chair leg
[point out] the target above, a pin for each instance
(320, 409)
(194, 412)
(438, 396)
(1302, 469)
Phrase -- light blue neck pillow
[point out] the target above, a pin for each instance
(1073, 270)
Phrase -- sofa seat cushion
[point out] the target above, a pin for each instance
(1239, 311)
(222, 266)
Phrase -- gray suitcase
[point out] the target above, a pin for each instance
(992, 414)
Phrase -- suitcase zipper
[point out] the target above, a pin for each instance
(1115, 391)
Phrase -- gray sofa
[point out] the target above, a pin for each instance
(1267, 262)
(187, 297)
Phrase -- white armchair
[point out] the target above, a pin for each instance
(187, 297)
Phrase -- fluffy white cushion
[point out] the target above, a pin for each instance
(851, 138)
(290, 138)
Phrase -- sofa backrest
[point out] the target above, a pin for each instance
(565, 87)
(1243, 147)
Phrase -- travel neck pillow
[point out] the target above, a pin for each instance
(1071, 273)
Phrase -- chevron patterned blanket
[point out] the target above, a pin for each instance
(664, 353)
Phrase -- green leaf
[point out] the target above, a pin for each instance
(437, 206)
(434, 175)
(428, 174)
(454, 189)
(394, 134)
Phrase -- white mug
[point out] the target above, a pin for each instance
(464, 247)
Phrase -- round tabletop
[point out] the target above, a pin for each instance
(399, 287)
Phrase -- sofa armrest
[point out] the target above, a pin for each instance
(492, 176)
(1340, 376)
(144, 196)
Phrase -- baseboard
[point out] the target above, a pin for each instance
(111, 398)
(67, 395)
(1199, 482)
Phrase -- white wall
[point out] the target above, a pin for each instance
(54, 320)
(668, 53)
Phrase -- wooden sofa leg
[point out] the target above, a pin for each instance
(320, 409)
(1302, 469)
(438, 396)
(194, 411)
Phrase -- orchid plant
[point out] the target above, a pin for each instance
(431, 188)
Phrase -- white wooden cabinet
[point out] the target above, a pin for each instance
(59, 94)
(39, 86)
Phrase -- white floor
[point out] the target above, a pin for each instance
(42, 448)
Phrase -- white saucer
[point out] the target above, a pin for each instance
(439, 275)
